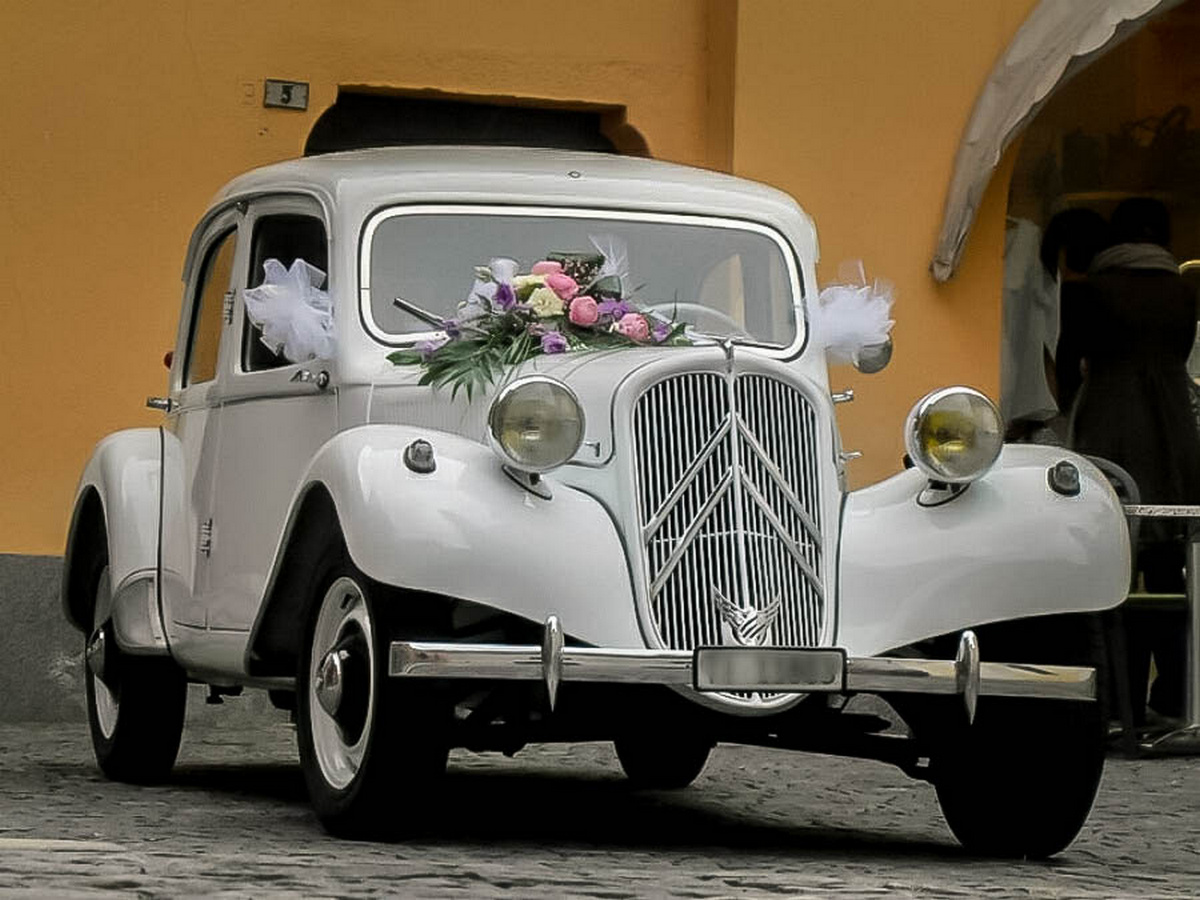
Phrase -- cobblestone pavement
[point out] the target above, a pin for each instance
(552, 822)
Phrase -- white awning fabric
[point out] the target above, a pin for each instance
(1058, 40)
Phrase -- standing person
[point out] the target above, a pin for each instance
(1136, 328)
(1072, 240)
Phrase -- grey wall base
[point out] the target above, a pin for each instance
(41, 656)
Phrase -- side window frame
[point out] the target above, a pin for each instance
(276, 379)
(226, 224)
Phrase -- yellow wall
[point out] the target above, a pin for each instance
(122, 119)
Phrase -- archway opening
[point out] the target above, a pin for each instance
(1127, 126)
(365, 117)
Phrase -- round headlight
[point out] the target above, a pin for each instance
(954, 434)
(536, 423)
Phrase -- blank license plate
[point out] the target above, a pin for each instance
(783, 669)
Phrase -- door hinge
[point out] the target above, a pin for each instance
(227, 307)
(206, 537)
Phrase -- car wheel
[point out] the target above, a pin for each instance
(662, 761)
(369, 747)
(135, 704)
(1020, 782)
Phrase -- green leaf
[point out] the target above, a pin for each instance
(406, 358)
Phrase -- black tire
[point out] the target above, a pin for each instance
(136, 712)
(662, 761)
(1020, 782)
(368, 768)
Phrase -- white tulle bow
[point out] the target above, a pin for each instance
(851, 315)
(295, 315)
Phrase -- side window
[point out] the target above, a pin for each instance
(207, 310)
(285, 237)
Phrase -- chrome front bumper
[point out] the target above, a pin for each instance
(713, 669)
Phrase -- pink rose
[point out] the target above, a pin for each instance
(634, 327)
(546, 267)
(583, 311)
(563, 285)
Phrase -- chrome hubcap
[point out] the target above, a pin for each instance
(94, 653)
(341, 683)
(105, 699)
(329, 681)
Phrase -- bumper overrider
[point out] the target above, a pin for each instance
(721, 669)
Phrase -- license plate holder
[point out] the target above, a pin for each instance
(798, 670)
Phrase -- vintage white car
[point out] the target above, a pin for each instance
(649, 543)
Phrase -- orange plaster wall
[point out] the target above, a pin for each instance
(121, 120)
(856, 108)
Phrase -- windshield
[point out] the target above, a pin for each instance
(724, 278)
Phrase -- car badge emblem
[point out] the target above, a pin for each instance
(748, 625)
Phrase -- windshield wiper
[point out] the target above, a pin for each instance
(423, 314)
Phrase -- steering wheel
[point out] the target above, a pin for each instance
(695, 314)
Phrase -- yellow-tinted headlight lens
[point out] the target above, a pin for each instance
(536, 423)
(954, 434)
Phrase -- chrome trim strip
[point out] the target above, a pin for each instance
(941, 676)
(685, 542)
(785, 490)
(512, 662)
(517, 662)
(785, 538)
(1148, 510)
(685, 481)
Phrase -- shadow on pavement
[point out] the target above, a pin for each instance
(579, 809)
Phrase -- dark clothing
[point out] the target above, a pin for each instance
(1133, 329)
(1074, 298)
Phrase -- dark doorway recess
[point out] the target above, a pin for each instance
(359, 120)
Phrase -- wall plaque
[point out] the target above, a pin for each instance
(285, 94)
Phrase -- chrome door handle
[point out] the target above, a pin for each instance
(166, 404)
(320, 379)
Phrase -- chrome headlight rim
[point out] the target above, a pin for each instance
(912, 430)
(504, 394)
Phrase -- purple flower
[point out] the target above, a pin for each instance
(505, 297)
(428, 348)
(661, 332)
(617, 309)
(554, 342)
(452, 329)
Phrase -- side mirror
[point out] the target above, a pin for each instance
(874, 358)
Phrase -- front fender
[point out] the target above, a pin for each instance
(124, 474)
(1008, 548)
(469, 531)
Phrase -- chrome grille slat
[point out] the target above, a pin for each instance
(729, 501)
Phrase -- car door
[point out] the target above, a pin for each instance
(275, 413)
(191, 437)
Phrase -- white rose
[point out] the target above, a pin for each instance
(545, 303)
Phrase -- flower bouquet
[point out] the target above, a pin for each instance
(567, 301)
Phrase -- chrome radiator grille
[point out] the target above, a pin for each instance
(729, 509)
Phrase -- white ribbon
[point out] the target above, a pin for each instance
(295, 315)
(851, 315)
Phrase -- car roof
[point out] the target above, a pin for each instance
(336, 173)
(356, 182)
